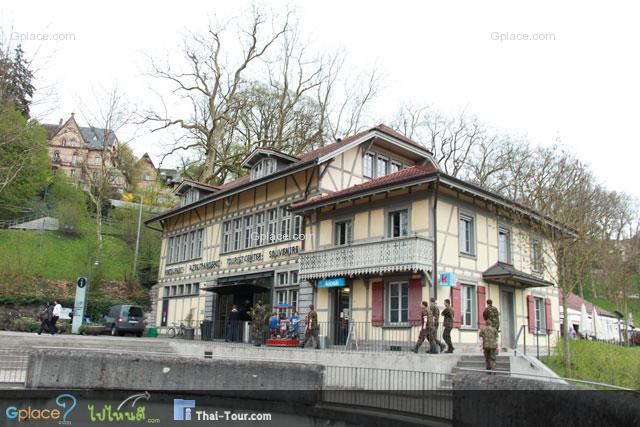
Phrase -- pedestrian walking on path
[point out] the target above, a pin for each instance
(312, 330)
(45, 319)
(57, 310)
(435, 312)
(489, 336)
(426, 323)
(447, 323)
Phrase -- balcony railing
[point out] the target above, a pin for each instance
(409, 253)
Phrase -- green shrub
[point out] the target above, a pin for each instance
(25, 324)
(71, 219)
(83, 328)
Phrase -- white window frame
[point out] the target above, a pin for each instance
(348, 232)
(260, 228)
(282, 278)
(237, 234)
(386, 162)
(536, 255)
(470, 220)
(468, 307)
(226, 236)
(403, 227)
(539, 314)
(507, 250)
(298, 223)
(272, 225)
(395, 164)
(402, 286)
(285, 223)
(247, 222)
(368, 169)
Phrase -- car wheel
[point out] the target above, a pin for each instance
(139, 334)
(114, 331)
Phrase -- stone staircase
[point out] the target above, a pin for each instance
(476, 361)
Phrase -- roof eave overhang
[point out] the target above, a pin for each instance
(367, 192)
(224, 193)
(422, 152)
(516, 281)
(249, 161)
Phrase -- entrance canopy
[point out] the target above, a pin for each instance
(506, 274)
(228, 284)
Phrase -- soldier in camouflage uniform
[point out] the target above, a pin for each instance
(489, 336)
(492, 313)
(435, 312)
(257, 321)
(448, 315)
(312, 328)
(427, 320)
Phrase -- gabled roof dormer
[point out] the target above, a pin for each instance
(264, 162)
(191, 191)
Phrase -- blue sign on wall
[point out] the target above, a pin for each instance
(331, 283)
(448, 279)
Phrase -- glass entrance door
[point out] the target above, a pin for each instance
(342, 317)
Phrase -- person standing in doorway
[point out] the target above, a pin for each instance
(312, 329)
(435, 312)
(57, 310)
(257, 320)
(447, 323)
(492, 313)
(489, 336)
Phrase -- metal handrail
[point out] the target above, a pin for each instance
(550, 378)
(515, 349)
(369, 242)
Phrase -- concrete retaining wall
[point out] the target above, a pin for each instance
(52, 368)
(439, 363)
(480, 399)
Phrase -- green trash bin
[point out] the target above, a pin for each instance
(153, 333)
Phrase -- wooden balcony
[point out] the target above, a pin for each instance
(399, 254)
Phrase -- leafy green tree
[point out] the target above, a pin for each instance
(24, 161)
(16, 87)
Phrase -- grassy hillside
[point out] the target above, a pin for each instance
(52, 256)
(609, 304)
(600, 362)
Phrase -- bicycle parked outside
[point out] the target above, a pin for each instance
(176, 331)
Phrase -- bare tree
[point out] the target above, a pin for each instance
(212, 86)
(108, 115)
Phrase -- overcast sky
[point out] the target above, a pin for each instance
(579, 86)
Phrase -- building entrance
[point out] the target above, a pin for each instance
(342, 315)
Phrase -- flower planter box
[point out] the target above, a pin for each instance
(93, 330)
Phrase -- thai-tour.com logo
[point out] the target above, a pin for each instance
(64, 404)
(185, 410)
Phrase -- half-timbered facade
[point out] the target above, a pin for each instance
(365, 228)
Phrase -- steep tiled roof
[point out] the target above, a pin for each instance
(400, 176)
(95, 137)
(575, 302)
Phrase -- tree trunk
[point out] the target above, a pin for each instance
(565, 335)
(99, 226)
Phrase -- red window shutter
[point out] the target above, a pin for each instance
(415, 301)
(482, 304)
(455, 303)
(548, 317)
(377, 316)
(532, 313)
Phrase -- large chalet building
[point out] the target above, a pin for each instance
(79, 151)
(365, 228)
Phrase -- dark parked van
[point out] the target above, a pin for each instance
(125, 319)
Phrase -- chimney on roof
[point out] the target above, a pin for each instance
(338, 139)
(73, 114)
(60, 122)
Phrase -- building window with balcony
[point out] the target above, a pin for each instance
(467, 306)
(539, 315)
(367, 165)
(504, 245)
(398, 223)
(398, 303)
(467, 234)
(342, 233)
(536, 255)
